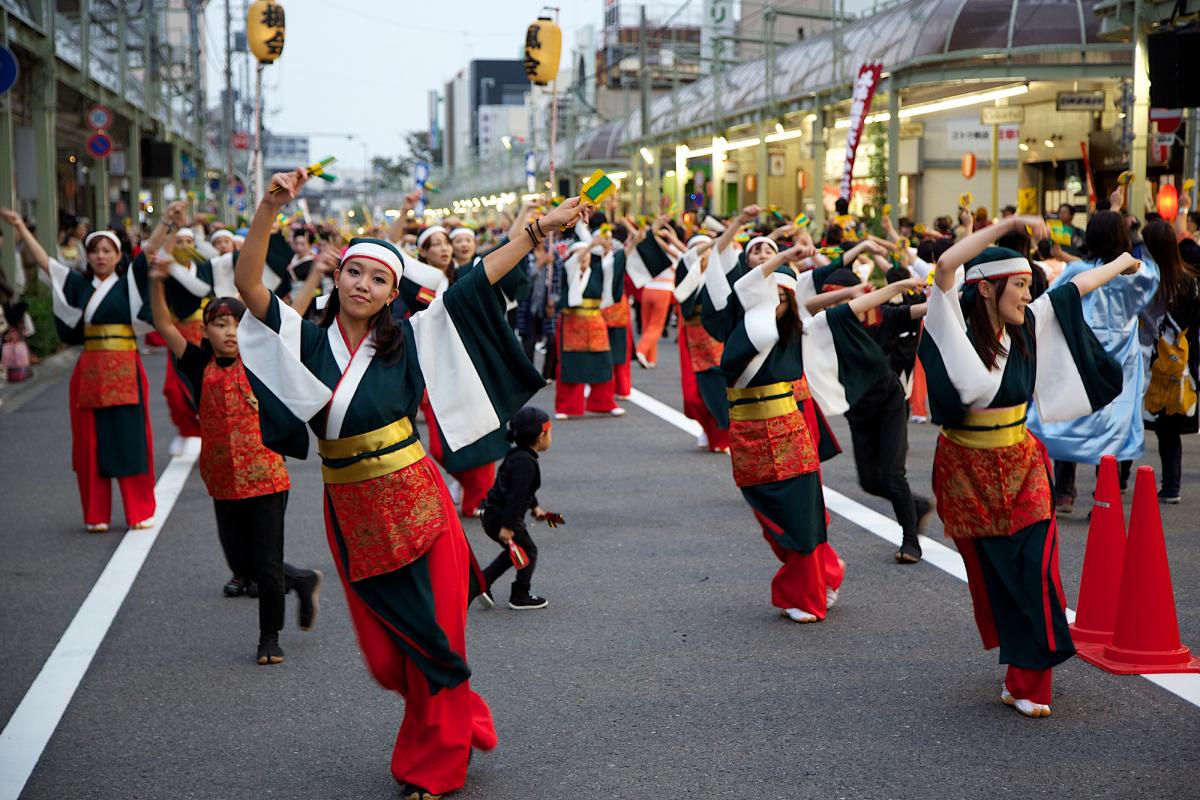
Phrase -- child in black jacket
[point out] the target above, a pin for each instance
(513, 493)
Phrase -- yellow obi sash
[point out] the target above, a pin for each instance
(371, 454)
(588, 308)
(109, 337)
(761, 402)
(989, 428)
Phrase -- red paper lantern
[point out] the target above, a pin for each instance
(1168, 202)
(968, 166)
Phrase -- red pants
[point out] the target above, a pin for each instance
(475, 481)
(656, 304)
(569, 399)
(178, 404)
(693, 404)
(622, 378)
(439, 730)
(95, 490)
(802, 580)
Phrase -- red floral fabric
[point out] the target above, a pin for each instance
(991, 492)
(584, 333)
(192, 330)
(705, 350)
(774, 449)
(390, 521)
(800, 390)
(616, 315)
(233, 461)
(107, 378)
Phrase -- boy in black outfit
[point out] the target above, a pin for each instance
(514, 492)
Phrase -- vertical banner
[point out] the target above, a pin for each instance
(530, 171)
(864, 91)
(421, 173)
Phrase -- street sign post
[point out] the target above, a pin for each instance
(98, 145)
(99, 117)
(1002, 115)
(9, 69)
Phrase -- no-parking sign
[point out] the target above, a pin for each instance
(99, 145)
(9, 69)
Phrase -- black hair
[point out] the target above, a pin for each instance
(1107, 236)
(842, 277)
(983, 335)
(526, 426)
(841, 205)
(1015, 240)
(1160, 239)
(789, 325)
(834, 235)
(224, 306)
(307, 234)
(1039, 283)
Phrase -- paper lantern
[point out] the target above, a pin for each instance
(968, 165)
(543, 47)
(1168, 202)
(264, 30)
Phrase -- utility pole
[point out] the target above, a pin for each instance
(644, 127)
(227, 124)
(197, 96)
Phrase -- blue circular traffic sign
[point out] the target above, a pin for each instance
(9, 69)
(99, 145)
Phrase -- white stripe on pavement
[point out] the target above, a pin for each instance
(1186, 686)
(33, 723)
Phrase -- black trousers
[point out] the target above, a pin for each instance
(879, 433)
(502, 563)
(1064, 476)
(251, 534)
(1170, 450)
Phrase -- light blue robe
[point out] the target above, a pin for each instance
(1112, 313)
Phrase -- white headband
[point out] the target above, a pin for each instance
(784, 279)
(223, 233)
(91, 237)
(1003, 268)
(762, 240)
(698, 240)
(430, 231)
(185, 232)
(462, 232)
(378, 252)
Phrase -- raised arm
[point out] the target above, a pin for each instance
(970, 246)
(248, 272)
(500, 261)
(325, 263)
(396, 232)
(173, 220)
(734, 225)
(1090, 280)
(866, 302)
(865, 246)
(794, 253)
(827, 299)
(31, 243)
(522, 218)
(159, 272)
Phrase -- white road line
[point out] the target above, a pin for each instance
(1186, 686)
(33, 723)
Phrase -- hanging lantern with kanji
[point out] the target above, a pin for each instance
(264, 30)
(543, 47)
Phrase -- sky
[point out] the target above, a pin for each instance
(365, 67)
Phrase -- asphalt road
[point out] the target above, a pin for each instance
(658, 670)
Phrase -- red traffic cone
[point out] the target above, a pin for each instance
(1097, 608)
(1146, 631)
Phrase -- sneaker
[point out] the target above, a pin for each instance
(413, 792)
(486, 600)
(269, 651)
(527, 603)
(1170, 499)
(618, 412)
(560, 415)
(236, 587)
(308, 589)
(702, 441)
(642, 360)
(1064, 504)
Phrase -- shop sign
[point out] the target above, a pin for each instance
(1002, 115)
(912, 130)
(1079, 101)
(968, 136)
